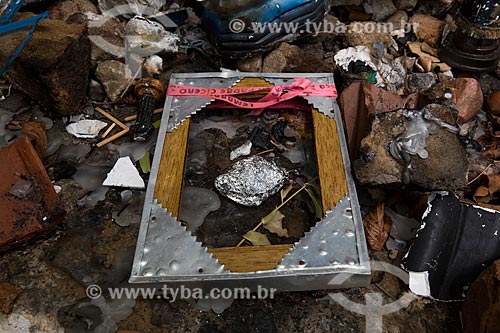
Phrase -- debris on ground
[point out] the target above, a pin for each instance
(251, 181)
(371, 64)
(419, 93)
(86, 128)
(124, 174)
(440, 261)
(481, 309)
(8, 295)
(54, 67)
(115, 77)
(30, 206)
(440, 164)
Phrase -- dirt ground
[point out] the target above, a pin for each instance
(52, 274)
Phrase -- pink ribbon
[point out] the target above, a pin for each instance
(300, 87)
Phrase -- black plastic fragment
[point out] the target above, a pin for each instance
(457, 243)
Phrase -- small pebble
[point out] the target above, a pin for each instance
(393, 254)
(493, 103)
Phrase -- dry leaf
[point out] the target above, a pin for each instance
(485, 193)
(35, 130)
(377, 227)
(482, 194)
(493, 183)
(427, 57)
(428, 49)
(274, 223)
(491, 146)
(256, 238)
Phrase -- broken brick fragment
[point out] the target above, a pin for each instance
(54, 66)
(29, 205)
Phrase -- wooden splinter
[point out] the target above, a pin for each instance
(134, 117)
(125, 128)
(110, 128)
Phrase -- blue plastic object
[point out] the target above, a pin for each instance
(236, 44)
(7, 26)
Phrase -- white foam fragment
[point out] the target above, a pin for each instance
(390, 73)
(419, 283)
(124, 174)
(86, 129)
(153, 65)
(243, 150)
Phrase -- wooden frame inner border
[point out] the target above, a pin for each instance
(332, 178)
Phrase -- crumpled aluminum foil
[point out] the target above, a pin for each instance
(251, 181)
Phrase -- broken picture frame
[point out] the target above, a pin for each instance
(167, 252)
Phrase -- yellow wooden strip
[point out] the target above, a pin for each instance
(168, 189)
(250, 258)
(330, 163)
(253, 82)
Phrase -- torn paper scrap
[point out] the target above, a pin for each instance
(86, 129)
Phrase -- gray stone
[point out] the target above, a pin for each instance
(115, 77)
(420, 82)
(96, 91)
(376, 165)
(252, 64)
(398, 20)
(107, 37)
(279, 58)
(358, 35)
(65, 9)
(443, 169)
(135, 7)
(145, 37)
(434, 8)
(380, 9)
(405, 4)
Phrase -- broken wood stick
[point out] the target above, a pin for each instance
(110, 128)
(113, 137)
(110, 117)
(134, 117)
(125, 128)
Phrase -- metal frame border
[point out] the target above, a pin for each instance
(303, 278)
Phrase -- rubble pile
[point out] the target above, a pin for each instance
(423, 137)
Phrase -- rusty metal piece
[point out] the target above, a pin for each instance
(29, 205)
(149, 91)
